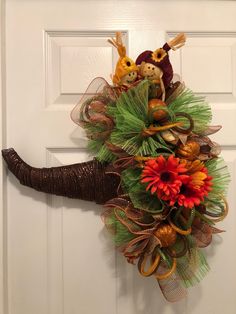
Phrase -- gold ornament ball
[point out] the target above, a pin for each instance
(153, 104)
(166, 234)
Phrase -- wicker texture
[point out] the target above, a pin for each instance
(86, 181)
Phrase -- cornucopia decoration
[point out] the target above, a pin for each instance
(156, 171)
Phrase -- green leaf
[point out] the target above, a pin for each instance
(140, 198)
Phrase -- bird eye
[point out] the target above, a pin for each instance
(128, 63)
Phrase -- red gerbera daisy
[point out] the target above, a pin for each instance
(165, 177)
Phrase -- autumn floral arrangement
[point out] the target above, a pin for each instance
(153, 131)
(156, 170)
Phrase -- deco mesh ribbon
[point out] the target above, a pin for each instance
(172, 181)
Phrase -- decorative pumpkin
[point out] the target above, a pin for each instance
(153, 105)
(166, 234)
(189, 151)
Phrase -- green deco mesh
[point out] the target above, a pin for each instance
(120, 233)
(192, 267)
(195, 106)
(131, 116)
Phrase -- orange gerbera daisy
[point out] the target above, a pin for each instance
(164, 177)
(193, 190)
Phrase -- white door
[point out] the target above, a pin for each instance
(56, 257)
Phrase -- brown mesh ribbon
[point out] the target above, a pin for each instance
(91, 110)
(203, 232)
(172, 288)
(86, 181)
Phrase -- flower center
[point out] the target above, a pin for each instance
(183, 189)
(165, 176)
(187, 191)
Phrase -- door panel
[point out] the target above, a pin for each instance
(60, 258)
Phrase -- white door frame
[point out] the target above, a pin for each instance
(3, 225)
